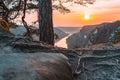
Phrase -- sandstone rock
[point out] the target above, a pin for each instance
(92, 34)
(40, 66)
(17, 64)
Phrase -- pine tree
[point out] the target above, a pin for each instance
(46, 22)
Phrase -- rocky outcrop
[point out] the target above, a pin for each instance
(51, 64)
(20, 43)
(99, 65)
(23, 59)
(92, 34)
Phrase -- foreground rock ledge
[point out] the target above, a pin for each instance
(17, 64)
(40, 66)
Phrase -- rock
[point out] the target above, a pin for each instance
(18, 30)
(92, 34)
(99, 65)
(17, 64)
(25, 45)
(104, 30)
(20, 43)
(72, 41)
(5, 37)
(40, 66)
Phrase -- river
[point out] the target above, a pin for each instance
(62, 43)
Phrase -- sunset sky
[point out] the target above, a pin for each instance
(100, 11)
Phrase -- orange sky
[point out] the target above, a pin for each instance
(100, 11)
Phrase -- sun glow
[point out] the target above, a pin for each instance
(87, 16)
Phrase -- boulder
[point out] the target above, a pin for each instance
(18, 30)
(40, 66)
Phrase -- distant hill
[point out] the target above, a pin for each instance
(61, 34)
(20, 30)
(92, 34)
(70, 30)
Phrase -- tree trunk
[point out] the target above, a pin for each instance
(45, 22)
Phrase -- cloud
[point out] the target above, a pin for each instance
(107, 4)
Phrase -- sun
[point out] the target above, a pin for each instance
(87, 16)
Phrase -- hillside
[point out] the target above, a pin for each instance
(21, 30)
(92, 34)
(60, 33)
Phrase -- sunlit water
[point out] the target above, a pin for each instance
(62, 43)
